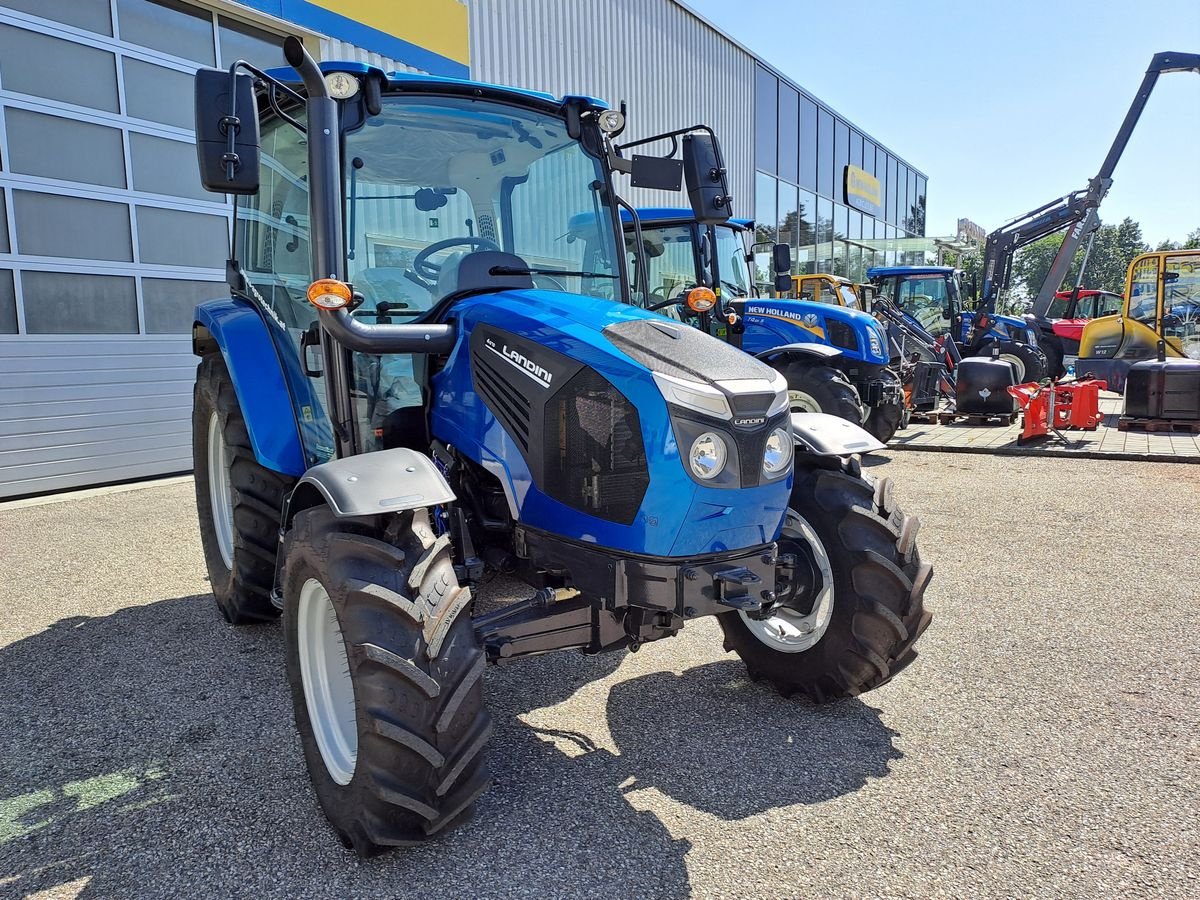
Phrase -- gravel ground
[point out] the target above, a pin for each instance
(1046, 742)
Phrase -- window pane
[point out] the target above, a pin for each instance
(869, 157)
(171, 28)
(8, 303)
(808, 144)
(163, 166)
(766, 119)
(259, 48)
(170, 304)
(841, 157)
(805, 256)
(90, 15)
(56, 225)
(58, 70)
(824, 235)
(892, 209)
(914, 213)
(62, 148)
(4, 248)
(901, 195)
(177, 238)
(789, 134)
(159, 95)
(856, 149)
(786, 214)
(764, 207)
(67, 303)
(825, 153)
(921, 185)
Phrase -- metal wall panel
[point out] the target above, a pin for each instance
(673, 68)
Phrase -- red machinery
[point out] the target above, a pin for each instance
(1050, 408)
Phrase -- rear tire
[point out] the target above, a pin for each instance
(1053, 352)
(861, 633)
(394, 730)
(822, 389)
(1029, 363)
(239, 502)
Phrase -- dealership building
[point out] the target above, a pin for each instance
(107, 241)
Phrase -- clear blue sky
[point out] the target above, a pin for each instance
(1004, 105)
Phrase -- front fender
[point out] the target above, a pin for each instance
(822, 352)
(371, 484)
(238, 330)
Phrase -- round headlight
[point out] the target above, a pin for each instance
(778, 453)
(708, 455)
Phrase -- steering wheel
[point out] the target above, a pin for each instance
(429, 271)
(558, 285)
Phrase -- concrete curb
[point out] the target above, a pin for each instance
(1047, 452)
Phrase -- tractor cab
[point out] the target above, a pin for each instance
(1161, 306)
(826, 288)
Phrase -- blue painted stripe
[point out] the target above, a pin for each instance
(333, 25)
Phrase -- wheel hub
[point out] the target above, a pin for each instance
(220, 491)
(804, 590)
(328, 689)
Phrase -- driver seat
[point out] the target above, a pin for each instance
(447, 282)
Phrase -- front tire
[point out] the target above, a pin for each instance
(239, 502)
(386, 678)
(822, 389)
(858, 631)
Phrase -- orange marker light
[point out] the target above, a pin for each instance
(329, 293)
(701, 299)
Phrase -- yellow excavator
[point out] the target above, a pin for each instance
(1162, 309)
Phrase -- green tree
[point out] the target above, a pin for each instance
(1113, 250)
(1191, 242)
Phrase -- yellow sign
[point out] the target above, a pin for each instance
(863, 191)
(436, 25)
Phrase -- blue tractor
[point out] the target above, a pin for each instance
(835, 359)
(934, 298)
(417, 382)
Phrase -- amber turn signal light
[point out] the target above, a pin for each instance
(329, 293)
(701, 299)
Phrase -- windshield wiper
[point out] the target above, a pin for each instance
(525, 270)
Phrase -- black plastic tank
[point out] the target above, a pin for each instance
(1163, 389)
(982, 387)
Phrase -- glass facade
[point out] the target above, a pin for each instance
(104, 228)
(802, 151)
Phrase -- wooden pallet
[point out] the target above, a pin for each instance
(946, 418)
(1127, 423)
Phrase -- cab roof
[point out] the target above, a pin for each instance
(399, 81)
(884, 271)
(654, 215)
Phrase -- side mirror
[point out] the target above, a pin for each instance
(707, 187)
(781, 262)
(227, 139)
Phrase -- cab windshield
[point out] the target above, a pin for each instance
(925, 298)
(428, 182)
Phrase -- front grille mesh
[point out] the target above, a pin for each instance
(595, 460)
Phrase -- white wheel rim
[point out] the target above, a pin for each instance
(801, 402)
(787, 630)
(325, 673)
(220, 491)
(1018, 365)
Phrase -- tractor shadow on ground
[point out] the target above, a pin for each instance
(151, 752)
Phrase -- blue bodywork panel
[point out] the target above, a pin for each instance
(265, 380)
(772, 323)
(656, 215)
(678, 516)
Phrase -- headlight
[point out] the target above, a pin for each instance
(708, 455)
(876, 341)
(778, 453)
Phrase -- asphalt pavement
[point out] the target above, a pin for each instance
(1046, 743)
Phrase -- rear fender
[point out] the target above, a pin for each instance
(236, 328)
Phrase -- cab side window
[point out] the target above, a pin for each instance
(1143, 292)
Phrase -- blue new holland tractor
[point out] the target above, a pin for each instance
(417, 381)
(835, 359)
(934, 298)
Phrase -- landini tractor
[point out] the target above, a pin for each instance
(417, 381)
(835, 358)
